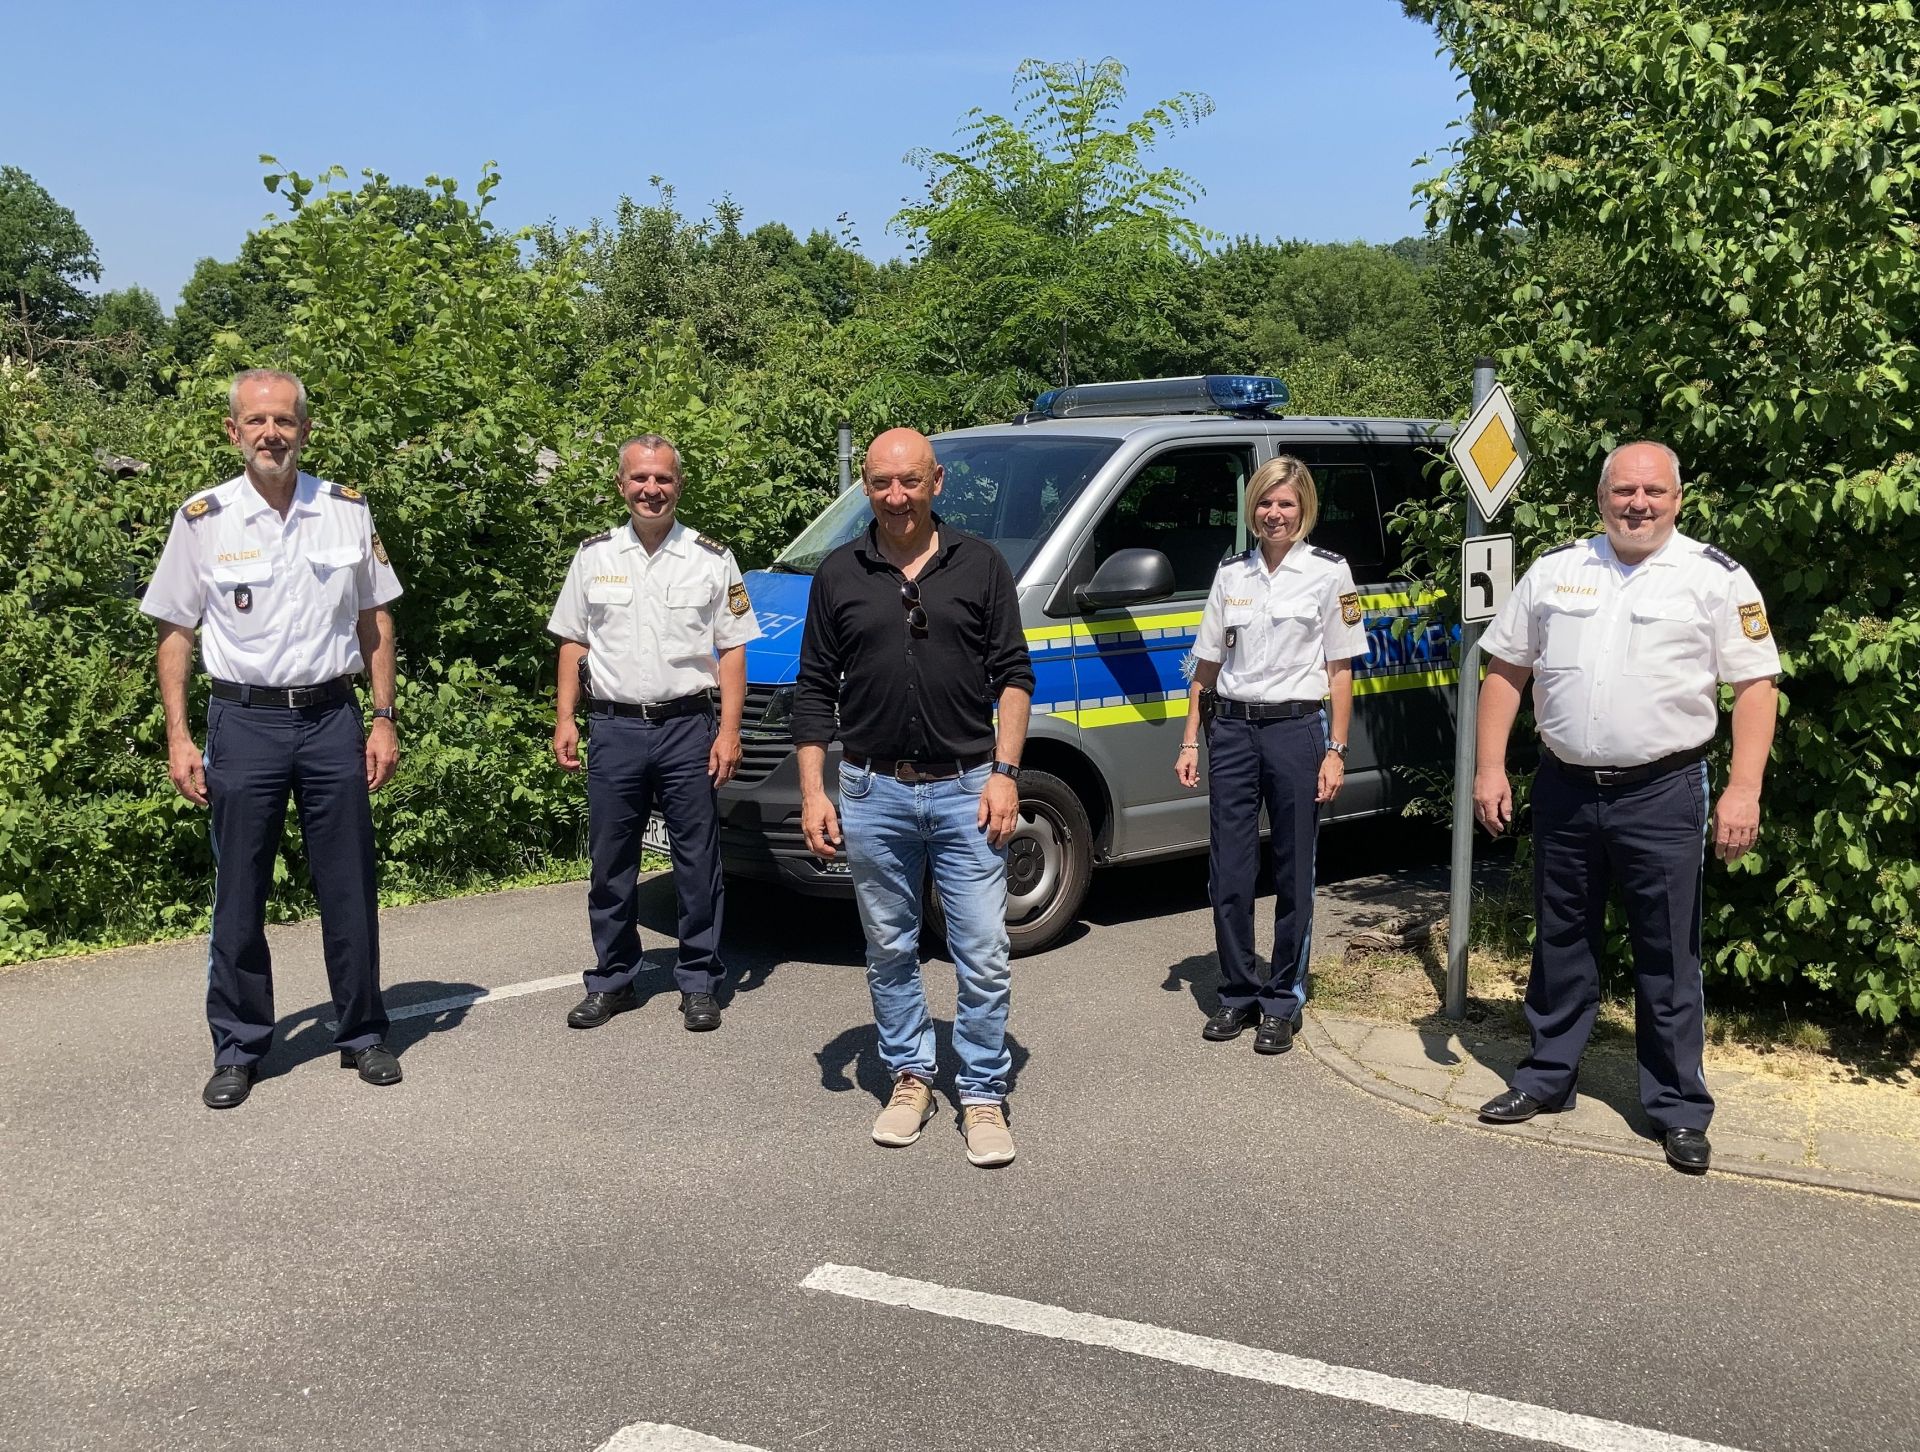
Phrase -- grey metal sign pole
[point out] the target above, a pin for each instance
(1466, 711)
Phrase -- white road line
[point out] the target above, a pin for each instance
(485, 995)
(662, 1437)
(1473, 1409)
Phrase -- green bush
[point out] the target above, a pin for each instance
(1716, 246)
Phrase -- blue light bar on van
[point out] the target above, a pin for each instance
(1207, 393)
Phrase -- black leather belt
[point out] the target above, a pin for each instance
(292, 698)
(913, 771)
(1264, 710)
(658, 711)
(1620, 776)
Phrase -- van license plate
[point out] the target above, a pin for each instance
(654, 837)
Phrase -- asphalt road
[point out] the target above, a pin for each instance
(544, 1236)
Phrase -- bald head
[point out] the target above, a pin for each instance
(902, 478)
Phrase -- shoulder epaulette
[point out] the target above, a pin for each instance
(709, 544)
(594, 539)
(201, 505)
(346, 492)
(1720, 557)
(1329, 555)
(1559, 548)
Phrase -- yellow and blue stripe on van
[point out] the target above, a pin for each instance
(1120, 672)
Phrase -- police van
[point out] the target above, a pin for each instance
(1114, 503)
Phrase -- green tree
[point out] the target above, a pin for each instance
(1718, 248)
(45, 255)
(1044, 232)
(242, 297)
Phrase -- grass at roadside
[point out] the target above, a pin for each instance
(560, 870)
(1405, 984)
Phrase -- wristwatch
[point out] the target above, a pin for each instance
(387, 713)
(1338, 748)
(1006, 768)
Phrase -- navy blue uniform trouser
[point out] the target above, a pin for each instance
(1650, 840)
(634, 765)
(256, 757)
(1276, 763)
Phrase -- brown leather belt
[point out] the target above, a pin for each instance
(913, 771)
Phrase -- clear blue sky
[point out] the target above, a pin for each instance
(147, 118)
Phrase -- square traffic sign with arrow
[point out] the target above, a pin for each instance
(1486, 577)
(1491, 453)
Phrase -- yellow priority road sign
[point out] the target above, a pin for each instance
(1491, 453)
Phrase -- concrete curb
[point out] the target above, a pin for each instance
(1371, 1081)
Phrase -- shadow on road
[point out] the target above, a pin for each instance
(851, 1060)
(307, 1034)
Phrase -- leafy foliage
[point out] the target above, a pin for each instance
(1717, 247)
(45, 255)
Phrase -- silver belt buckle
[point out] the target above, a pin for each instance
(1603, 776)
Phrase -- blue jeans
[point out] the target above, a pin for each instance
(895, 833)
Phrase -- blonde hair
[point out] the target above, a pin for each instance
(1285, 469)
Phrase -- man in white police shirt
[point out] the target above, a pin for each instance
(288, 585)
(1627, 636)
(658, 615)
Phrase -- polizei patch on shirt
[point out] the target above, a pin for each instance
(1350, 608)
(737, 600)
(1753, 621)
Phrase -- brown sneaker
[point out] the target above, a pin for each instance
(988, 1140)
(906, 1113)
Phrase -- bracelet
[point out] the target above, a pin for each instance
(1189, 745)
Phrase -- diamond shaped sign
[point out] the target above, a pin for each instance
(1491, 453)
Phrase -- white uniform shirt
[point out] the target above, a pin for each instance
(277, 601)
(653, 623)
(1275, 630)
(1625, 661)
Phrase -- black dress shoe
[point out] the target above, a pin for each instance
(1275, 1036)
(375, 1062)
(1512, 1106)
(699, 1012)
(230, 1085)
(596, 1008)
(1688, 1150)
(1230, 1023)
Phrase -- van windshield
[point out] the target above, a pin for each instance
(1008, 488)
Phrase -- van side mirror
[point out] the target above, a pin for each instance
(1127, 577)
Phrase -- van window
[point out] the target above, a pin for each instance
(1184, 503)
(1008, 488)
(1350, 517)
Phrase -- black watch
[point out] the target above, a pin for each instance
(1006, 768)
(387, 713)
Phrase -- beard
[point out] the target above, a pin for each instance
(260, 462)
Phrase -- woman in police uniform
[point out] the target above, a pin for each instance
(1275, 649)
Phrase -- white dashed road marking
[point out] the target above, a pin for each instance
(1396, 1394)
(660, 1437)
(485, 995)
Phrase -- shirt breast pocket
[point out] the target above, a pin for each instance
(1297, 630)
(240, 596)
(1668, 640)
(609, 612)
(334, 569)
(1565, 629)
(689, 597)
(1234, 621)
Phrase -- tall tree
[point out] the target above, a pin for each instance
(1045, 230)
(45, 254)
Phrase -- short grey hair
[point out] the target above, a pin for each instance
(651, 442)
(267, 375)
(1606, 467)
